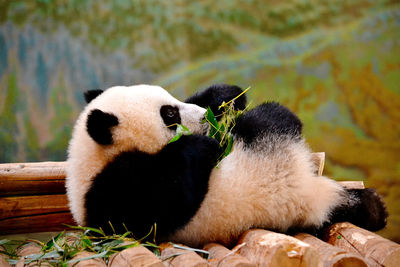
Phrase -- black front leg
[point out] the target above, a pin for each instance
(215, 95)
(190, 160)
(137, 189)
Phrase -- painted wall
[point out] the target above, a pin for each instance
(335, 63)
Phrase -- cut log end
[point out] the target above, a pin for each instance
(136, 256)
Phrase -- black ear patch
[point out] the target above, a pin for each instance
(92, 94)
(99, 126)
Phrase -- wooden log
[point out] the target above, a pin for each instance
(26, 250)
(349, 237)
(96, 262)
(33, 170)
(176, 257)
(32, 178)
(265, 248)
(32, 205)
(14, 187)
(332, 256)
(220, 256)
(136, 256)
(36, 223)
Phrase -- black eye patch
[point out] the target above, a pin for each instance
(170, 115)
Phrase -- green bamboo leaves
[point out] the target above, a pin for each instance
(180, 130)
(62, 249)
(222, 130)
(218, 130)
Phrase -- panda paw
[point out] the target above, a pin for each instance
(371, 212)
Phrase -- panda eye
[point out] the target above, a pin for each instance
(171, 113)
(170, 116)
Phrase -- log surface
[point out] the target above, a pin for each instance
(176, 257)
(331, 255)
(32, 178)
(136, 256)
(380, 251)
(220, 256)
(265, 248)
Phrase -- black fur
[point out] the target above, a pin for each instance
(265, 119)
(366, 209)
(99, 126)
(214, 95)
(170, 116)
(92, 94)
(138, 189)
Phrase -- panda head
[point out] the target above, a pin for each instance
(140, 117)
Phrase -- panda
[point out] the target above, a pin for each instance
(123, 171)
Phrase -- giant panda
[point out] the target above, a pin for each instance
(123, 171)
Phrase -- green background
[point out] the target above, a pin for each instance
(335, 63)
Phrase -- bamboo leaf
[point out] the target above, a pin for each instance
(100, 255)
(205, 253)
(180, 130)
(89, 229)
(229, 146)
(4, 241)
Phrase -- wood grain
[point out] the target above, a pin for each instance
(381, 251)
(36, 223)
(220, 256)
(332, 256)
(32, 178)
(18, 206)
(266, 248)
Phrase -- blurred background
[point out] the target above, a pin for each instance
(335, 63)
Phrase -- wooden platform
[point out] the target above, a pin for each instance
(32, 199)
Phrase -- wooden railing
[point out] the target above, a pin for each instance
(32, 197)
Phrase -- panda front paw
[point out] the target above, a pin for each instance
(216, 94)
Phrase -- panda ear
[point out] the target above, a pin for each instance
(99, 126)
(92, 94)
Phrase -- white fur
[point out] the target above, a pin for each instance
(140, 128)
(274, 187)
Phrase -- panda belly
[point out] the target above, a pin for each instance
(273, 188)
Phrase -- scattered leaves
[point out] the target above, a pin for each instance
(61, 249)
